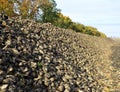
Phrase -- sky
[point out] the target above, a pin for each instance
(101, 14)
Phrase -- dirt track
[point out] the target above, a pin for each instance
(115, 57)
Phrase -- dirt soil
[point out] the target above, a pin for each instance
(115, 57)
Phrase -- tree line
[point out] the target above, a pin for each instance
(44, 11)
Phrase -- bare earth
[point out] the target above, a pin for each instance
(115, 57)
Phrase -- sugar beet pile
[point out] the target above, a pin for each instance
(37, 57)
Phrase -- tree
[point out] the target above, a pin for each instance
(78, 27)
(30, 9)
(6, 7)
(50, 12)
(45, 10)
(63, 21)
(93, 31)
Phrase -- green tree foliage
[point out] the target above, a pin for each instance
(93, 31)
(63, 21)
(31, 8)
(78, 27)
(35, 9)
(86, 29)
(50, 12)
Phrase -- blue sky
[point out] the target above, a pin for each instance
(102, 14)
